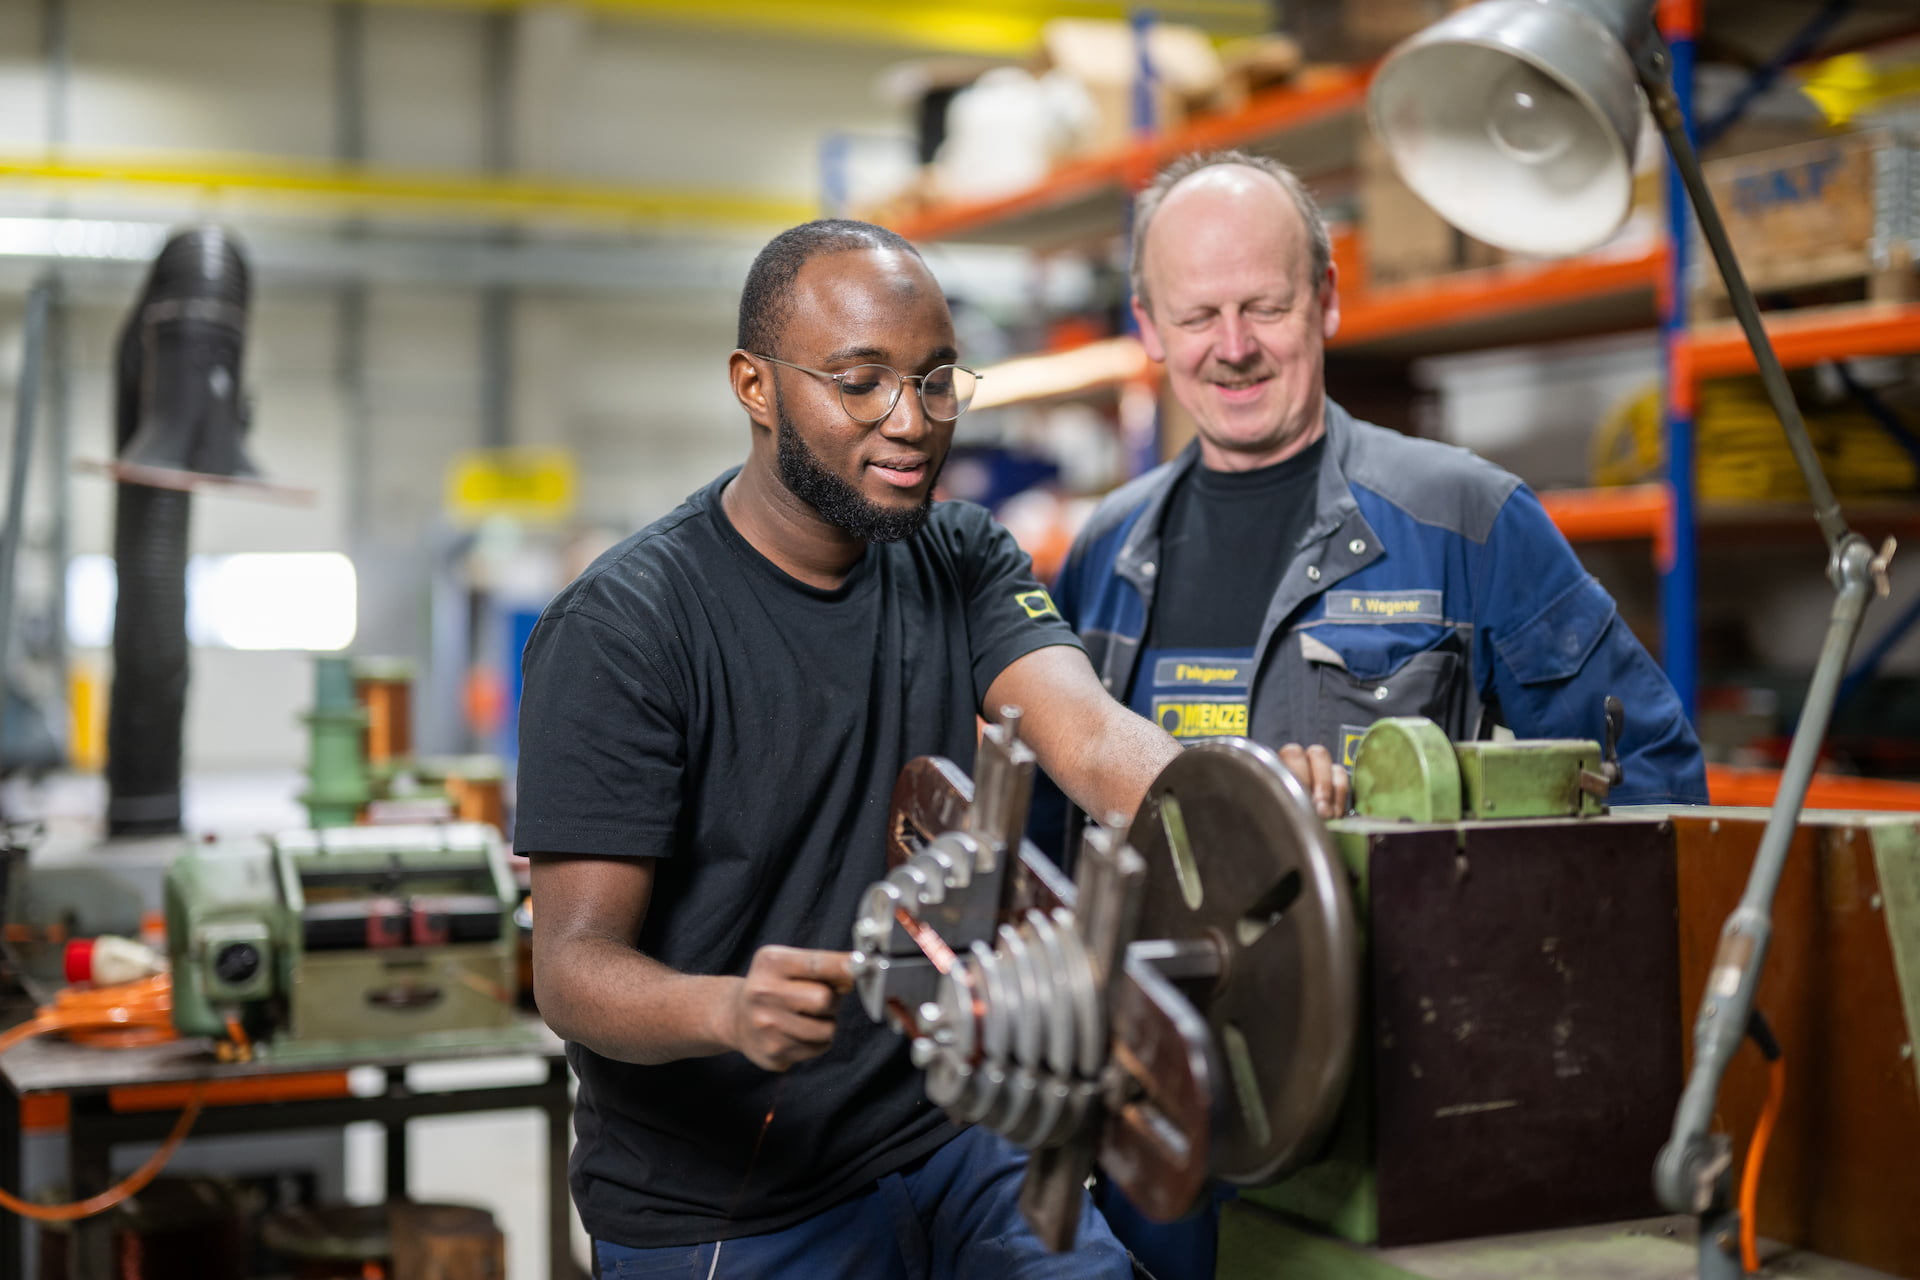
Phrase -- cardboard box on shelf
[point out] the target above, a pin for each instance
(1105, 58)
(1254, 64)
(1833, 211)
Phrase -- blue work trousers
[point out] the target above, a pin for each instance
(1182, 1250)
(953, 1215)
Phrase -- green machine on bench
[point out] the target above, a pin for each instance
(361, 938)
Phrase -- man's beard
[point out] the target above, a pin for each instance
(838, 502)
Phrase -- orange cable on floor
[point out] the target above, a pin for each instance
(1756, 1157)
(120, 1016)
(1748, 1209)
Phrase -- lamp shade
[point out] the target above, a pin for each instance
(1515, 120)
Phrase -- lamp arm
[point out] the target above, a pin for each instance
(1650, 61)
(1691, 1173)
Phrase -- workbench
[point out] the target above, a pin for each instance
(1257, 1242)
(87, 1076)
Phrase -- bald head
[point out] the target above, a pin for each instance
(1235, 295)
(1223, 179)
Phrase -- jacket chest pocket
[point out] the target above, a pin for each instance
(1349, 686)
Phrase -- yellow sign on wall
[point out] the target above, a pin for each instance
(531, 485)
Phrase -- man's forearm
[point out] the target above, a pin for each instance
(601, 993)
(1099, 752)
(1117, 762)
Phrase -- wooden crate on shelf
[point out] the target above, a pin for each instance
(1836, 211)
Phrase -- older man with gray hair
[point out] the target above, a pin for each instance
(1296, 574)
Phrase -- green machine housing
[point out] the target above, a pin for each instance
(1519, 1050)
(347, 938)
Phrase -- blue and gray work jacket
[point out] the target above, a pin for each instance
(1429, 582)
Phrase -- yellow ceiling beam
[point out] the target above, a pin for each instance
(993, 28)
(336, 190)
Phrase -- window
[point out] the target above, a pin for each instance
(254, 600)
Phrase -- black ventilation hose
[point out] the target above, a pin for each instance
(177, 408)
(148, 708)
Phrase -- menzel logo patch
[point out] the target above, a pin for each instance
(1201, 673)
(1201, 717)
(1350, 735)
(1383, 606)
(1037, 603)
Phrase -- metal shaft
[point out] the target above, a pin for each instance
(1686, 1178)
(1666, 113)
(1691, 1174)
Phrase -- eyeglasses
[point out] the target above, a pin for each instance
(868, 392)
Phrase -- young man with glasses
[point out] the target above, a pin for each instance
(714, 716)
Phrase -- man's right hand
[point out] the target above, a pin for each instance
(1326, 782)
(783, 1011)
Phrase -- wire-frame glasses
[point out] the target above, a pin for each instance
(868, 392)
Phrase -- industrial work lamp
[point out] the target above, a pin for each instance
(1516, 120)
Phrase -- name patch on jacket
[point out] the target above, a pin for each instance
(1201, 673)
(1383, 606)
(1195, 693)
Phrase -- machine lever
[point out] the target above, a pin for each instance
(1616, 715)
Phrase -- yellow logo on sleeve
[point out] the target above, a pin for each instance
(1037, 603)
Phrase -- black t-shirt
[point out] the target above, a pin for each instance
(688, 701)
(1225, 541)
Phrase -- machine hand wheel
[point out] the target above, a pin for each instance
(1237, 858)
